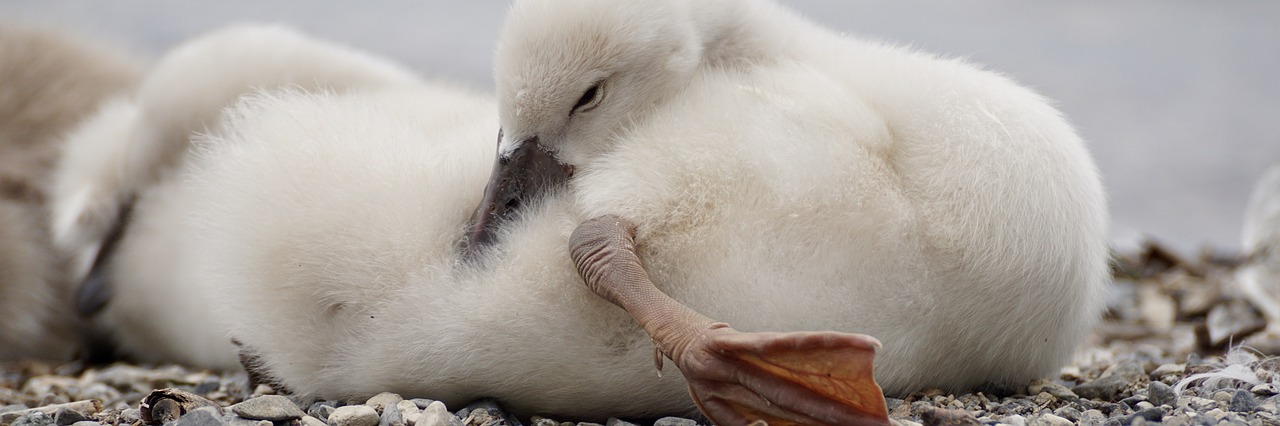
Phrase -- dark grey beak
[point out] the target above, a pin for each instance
(520, 178)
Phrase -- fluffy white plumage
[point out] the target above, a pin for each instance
(114, 157)
(49, 80)
(129, 150)
(783, 178)
(843, 184)
(1259, 277)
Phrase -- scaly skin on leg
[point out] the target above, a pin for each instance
(809, 378)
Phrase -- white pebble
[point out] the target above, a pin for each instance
(1049, 419)
(382, 400)
(409, 411)
(435, 415)
(1265, 389)
(1014, 420)
(354, 415)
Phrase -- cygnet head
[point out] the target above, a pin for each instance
(570, 75)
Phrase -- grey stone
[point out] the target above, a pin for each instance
(1243, 401)
(380, 401)
(207, 386)
(203, 416)
(34, 418)
(275, 408)
(1150, 414)
(1015, 420)
(680, 421)
(542, 421)
(1133, 401)
(86, 423)
(1092, 417)
(485, 412)
(312, 421)
(66, 416)
(354, 415)
(422, 403)
(613, 421)
(391, 415)
(1069, 413)
(1057, 390)
(943, 417)
(321, 410)
(1161, 394)
(1167, 371)
(1106, 388)
(130, 416)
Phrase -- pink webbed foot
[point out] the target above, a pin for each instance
(800, 378)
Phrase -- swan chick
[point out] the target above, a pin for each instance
(181, 95)
(49, 79)
(113, 204)
(956, 214)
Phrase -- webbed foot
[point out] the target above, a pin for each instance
(810, 378)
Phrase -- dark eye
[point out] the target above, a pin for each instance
(590, 99)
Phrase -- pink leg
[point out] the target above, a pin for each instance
(809, 378)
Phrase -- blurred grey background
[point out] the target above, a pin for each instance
(1179, 99)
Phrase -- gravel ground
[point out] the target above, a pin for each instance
(1179, 346)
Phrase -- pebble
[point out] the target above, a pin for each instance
(435, 414)
(312, 421)
(354, 415)
(66, 417)
(130, 416)
(485, 412)
(675, 421)
(35, 418)
(1014, 420)
(944, 417)
(1050, 420)
(1070, 413)
(1167, 371)
(613, 421)
(275, 408)
(1057, 390)
(1161, 394)
(1265, 389)
(1093, 417)
(543, 421)
(391, 416)
(321, 410)
(380, 401)
(1243, 401)
(409, 411)
(203, 416)
(1106, 388)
